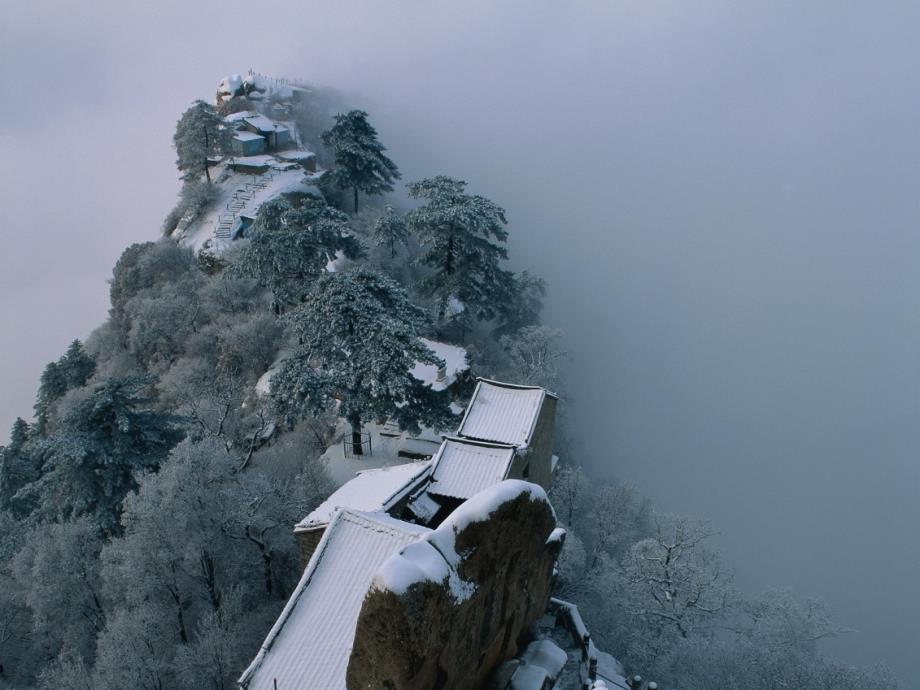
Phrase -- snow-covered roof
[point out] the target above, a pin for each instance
(503, 412)
(298, 155)
(243, 135)
(255, 161)
(240, 116)
(453, 355)
(463, 468)
(423, 506)
(370, 490)
(262, 123)
(310, 644)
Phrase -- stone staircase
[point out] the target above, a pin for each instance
(241, 197)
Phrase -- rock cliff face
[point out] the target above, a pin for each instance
(445, 611)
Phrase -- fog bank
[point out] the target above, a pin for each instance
(722, 198)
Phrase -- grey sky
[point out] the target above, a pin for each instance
(722, 195)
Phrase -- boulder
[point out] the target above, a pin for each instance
(448, 609)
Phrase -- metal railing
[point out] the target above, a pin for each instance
(364, 447)
(571, 620)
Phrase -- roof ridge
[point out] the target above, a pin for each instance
(373, 520)
(469, 441)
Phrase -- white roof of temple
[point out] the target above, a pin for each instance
(310, 644)
(463, 468)
(370, 490)
(503, 413)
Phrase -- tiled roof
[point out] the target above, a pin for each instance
(310, 644)
(462, 468)
(502, 413)
(370, 490)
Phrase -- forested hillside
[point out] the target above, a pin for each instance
(147, 506)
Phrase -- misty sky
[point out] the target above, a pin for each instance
(723, 198)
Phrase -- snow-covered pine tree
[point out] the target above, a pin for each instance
(104, 442)
(359, 336)
(390, 229)
(292, 244)
(76, 365)
(359, 159)
(17, 468)
(71, 371)
(456, 231)
(199, 134)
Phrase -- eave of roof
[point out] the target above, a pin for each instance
(467, 433)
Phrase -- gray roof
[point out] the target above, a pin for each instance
(310, 644)
(463, 468)
(503, 412)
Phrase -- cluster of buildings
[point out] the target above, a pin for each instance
(255, 134)
(506, 432)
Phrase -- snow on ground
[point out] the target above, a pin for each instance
(264, 383)
(203, 231)
(333, 266)
(546, 655)
(453, 355)
(298, 155)
(384, 450)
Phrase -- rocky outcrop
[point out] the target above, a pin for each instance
(447, 609)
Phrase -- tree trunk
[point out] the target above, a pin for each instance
(357, 447)
(356, 201)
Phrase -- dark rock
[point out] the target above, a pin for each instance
(482, 580)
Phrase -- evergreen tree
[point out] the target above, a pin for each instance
(359, 158)
(292, 244)
(71, 371)
(17, 469)
(105, 441)
(524, 304)
(359, 336)
(199, 134)
(76, 365)
(19, 434)
(462, 236)
(390, 230)
(51, 386)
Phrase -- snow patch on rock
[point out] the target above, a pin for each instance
(434, 557)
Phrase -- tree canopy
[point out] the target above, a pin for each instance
(291, 244)
(359, 336)
(199, 135)
(462, 237)
(71, 371)
(390, 229)
(105, 441)
(360, 162)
